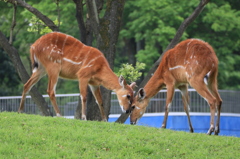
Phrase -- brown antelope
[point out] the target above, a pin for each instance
(57, 54)
(191, 62)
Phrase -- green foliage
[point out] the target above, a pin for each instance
(36, 25)
(131, 73)
(32, 136)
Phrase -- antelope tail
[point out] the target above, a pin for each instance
(206, 78)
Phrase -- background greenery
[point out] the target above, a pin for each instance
(147, 28)
(32, 136)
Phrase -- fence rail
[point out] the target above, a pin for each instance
(69, 102)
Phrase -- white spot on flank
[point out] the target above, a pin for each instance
(176, 67)
(59, 61)
(75, 63)
(186, 62)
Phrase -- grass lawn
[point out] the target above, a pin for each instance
(33, 136)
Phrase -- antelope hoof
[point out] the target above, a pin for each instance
(191, 131)
(84, 118)
(104, 120)
(58, 115)
(163, 127)
(20, 111)
(210, 131)
(216, 132)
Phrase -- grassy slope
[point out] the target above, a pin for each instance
(31, 136)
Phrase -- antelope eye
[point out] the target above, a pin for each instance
(128, 96)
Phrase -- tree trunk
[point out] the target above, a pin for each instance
(106, 31)
(80, 20)
(174, 41)
(15, 58)
(131, 50)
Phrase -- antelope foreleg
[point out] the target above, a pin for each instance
(83, 94)
(51, 92)
(97, 94)
(170, 93)
(185, 99)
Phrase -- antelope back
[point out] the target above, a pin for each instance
(66, 54)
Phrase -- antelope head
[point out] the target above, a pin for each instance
(139, 106)
(125, 95)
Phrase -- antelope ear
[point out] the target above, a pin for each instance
(141, 94)
(122, 81)
(133, 85)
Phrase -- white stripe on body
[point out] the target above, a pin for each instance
(73, 62)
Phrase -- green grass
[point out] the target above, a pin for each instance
(33, 136)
